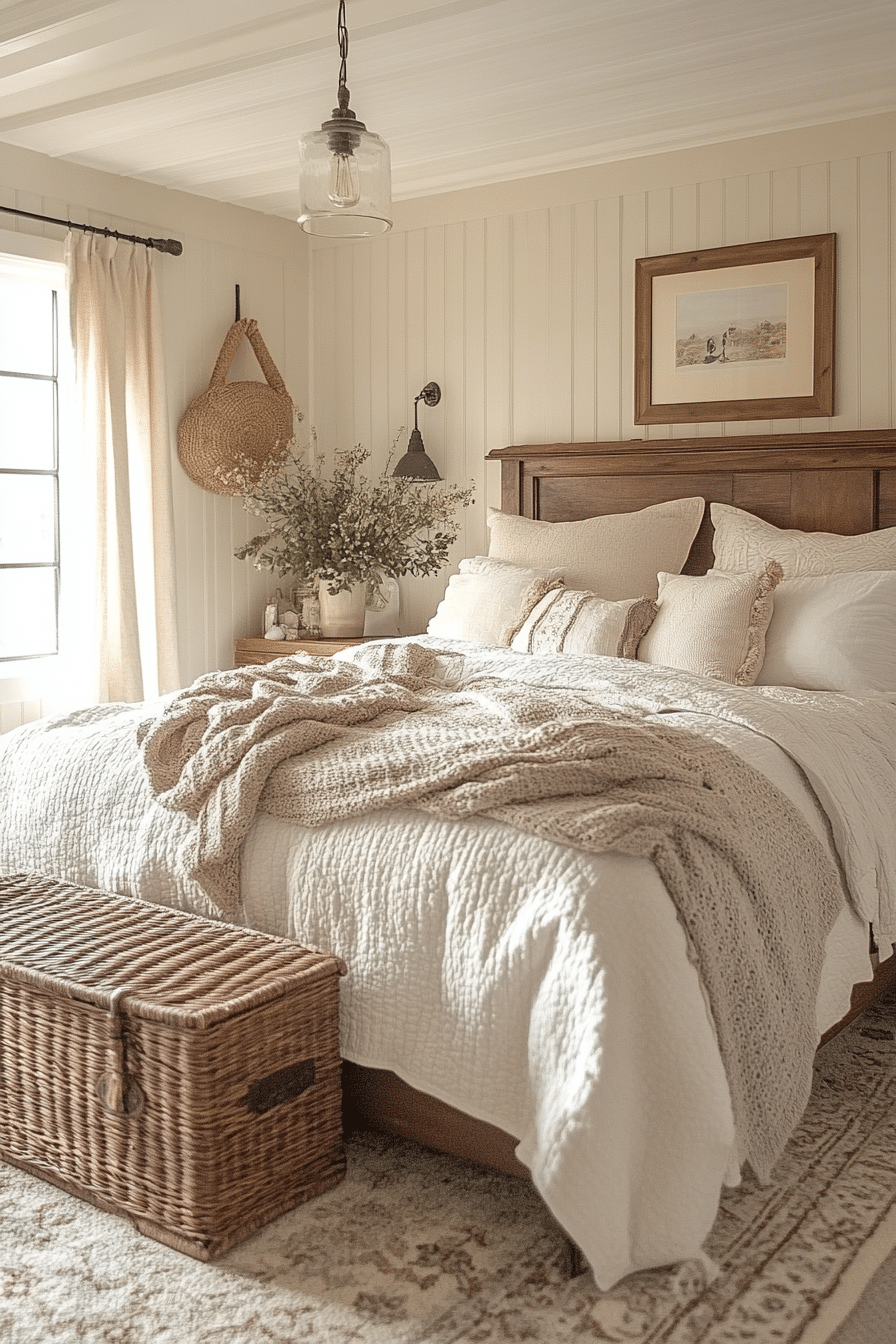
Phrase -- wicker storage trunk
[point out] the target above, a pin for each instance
(181, 1072)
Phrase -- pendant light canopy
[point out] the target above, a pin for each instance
(345, 170)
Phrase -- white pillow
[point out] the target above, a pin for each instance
(713, 624)
(744, 542)
(566, 621)
(488, 600)
(618, 555)
(833, 632)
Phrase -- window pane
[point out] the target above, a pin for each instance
(27, 519)
(26, 424)
(26, 327)
(27, 612)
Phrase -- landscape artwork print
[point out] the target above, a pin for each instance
(744, 332)
(726, 326)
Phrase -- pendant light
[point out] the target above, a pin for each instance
(345, 170)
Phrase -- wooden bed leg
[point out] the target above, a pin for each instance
(865, 994)
(573, 1262)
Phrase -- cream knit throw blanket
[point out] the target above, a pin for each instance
(318, 740)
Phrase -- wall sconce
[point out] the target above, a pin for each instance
(416, 465)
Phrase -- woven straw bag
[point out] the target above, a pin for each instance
(235, 433)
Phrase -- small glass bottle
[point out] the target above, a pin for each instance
(311, 614)
(308, 607)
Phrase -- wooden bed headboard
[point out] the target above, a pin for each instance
(843, 481)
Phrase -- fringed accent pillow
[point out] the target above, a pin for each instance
(566, 621)
(713, 624)
(488, 600)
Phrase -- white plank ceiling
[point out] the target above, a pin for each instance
(210, 95)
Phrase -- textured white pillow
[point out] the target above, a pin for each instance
(713, 624)
(567, 621)
(744, 542)
(833, 632)
(616, 556)
(488, 600)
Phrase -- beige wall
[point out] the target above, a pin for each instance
(518, 299)
(218, 596)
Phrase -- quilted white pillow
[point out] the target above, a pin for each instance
(713, 624)
(566, 621)
(616, 556)
(833, 632)
(488, 600)
(744, 542)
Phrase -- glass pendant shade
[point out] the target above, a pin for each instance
(345, 183)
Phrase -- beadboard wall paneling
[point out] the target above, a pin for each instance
(516, 299)
(19, 712)
(525, 317)
(219, 598)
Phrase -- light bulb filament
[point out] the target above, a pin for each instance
(344, 188)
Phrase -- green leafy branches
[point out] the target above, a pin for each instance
(348, 528)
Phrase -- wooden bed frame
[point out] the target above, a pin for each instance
(822, 482)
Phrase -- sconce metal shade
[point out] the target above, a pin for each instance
(416, 465)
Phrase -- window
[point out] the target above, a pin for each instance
(29, 468)
(32, 305)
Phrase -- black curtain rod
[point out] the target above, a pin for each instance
(170, 245)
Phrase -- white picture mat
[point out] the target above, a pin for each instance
(788, 377)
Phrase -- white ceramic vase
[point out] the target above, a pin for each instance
(342, 614)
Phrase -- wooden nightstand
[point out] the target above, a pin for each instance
(249, 651)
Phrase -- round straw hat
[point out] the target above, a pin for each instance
(236, 433)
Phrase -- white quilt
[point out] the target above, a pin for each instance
(545, 990)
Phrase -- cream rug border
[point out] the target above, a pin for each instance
(853, 1282)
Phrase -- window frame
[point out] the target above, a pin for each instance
(33, 676)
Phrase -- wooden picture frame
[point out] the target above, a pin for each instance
(736, 333)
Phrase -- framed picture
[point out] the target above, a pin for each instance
(736, 333)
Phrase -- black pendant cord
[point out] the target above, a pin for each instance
(169, 245)
(342, 38)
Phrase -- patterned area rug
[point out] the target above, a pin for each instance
(417, 1247)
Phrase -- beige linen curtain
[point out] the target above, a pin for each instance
(119, 375)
